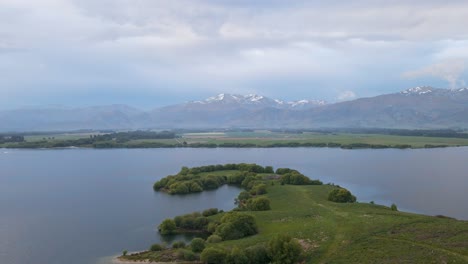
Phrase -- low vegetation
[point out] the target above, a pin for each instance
(304, 225)
(336, 138)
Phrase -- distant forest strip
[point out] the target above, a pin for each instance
(351, 139)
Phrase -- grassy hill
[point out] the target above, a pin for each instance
(347, 232)
(358, 232)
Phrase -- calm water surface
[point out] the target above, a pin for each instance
(83, 205)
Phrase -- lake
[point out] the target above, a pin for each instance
(84, 205)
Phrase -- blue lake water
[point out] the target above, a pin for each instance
(82, 205)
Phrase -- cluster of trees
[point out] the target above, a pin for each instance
(233, 225)
(281, 249)
(341, 195)
(190, 183)
(294, 177)
(247, 167)
(110, 140)
(195, 221)
(121, 137)
(248, 201)
(191, 180)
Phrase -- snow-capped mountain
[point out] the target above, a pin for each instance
(421, 107)
(259, 101)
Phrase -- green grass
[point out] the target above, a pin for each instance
(268, 138)
(359, 232)
(349, 233)
(261, 138)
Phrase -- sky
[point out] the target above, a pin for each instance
(150, 53)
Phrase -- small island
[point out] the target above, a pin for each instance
(282, 216)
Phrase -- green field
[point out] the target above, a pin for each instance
(347, 233)
(265, 138)
(260, 138)
(357, 233)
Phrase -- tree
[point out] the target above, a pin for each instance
(168, 226)
(213, 256)
(393, 207)
(259, 189)
(156, 247)
(197, 244)
(237, 256)
(258, 204)
(341, 195)
(214, 239)
(283, 249)
(235, 225)
(258, 254)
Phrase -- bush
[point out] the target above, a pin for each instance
(195, 187)
(214, 239)
(243, 196)
(341, 195)
(186, 255)
(259, 189)
(393, 207)
(156, 247)
(124, 253)
(282, 249)
(259, 204)
(235, 225)
(237, 256)
(257, 254)
(167, 227)
(178, 244)
(209, 212)
(197, 244)
(213, 256)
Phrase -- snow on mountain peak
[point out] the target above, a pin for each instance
(418, 90)
(255, 99)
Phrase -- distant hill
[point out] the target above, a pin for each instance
(419, 107)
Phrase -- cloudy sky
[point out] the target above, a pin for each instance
(149, 53)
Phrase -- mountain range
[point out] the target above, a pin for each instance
(418, 107)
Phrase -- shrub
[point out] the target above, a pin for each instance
(124, 253)
(243, 196)
(393, 207)
(341, 195)
(167, 227)
(257, 254)
(211, 228)
(156, 247)
(178, 244)
(259, 204)
(195, 187)
(214, 239)
(282, 249)
(186, 255)
(179, 188)
(213, 256)
(237, 256)
(197, 244)
(259, 189)
(209, 212)
(235, 225)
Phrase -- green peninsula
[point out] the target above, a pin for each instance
(302, 223)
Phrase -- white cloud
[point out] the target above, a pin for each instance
(450, 70)
(208, 45)
(346, 96)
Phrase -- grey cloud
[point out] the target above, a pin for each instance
(450, 70)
